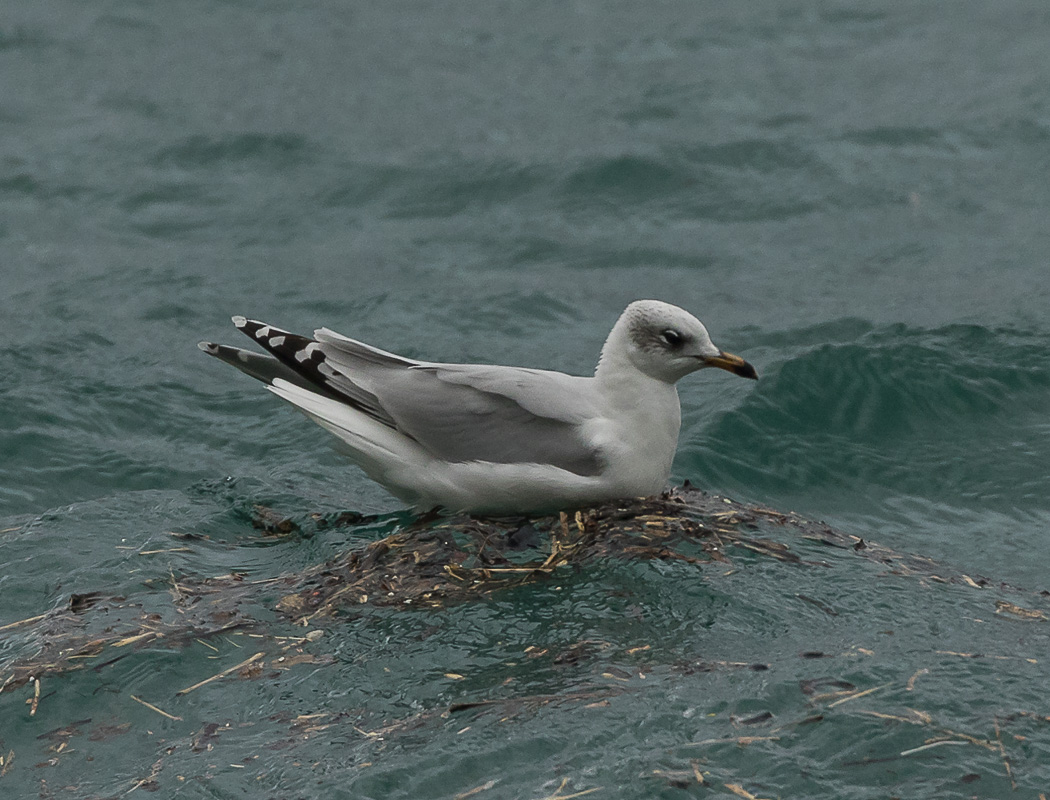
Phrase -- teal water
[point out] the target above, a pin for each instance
(854, 199)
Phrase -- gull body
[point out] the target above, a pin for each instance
(496, 439)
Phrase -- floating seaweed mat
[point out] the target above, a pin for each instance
(435, 561)
(452, 559)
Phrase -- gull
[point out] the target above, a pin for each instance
(492, 439)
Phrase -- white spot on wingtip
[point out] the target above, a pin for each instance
(239, 321)
(263, 332)
(277, 341)
(207, 347)
(306, 352)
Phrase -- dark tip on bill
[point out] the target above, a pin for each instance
(745, 370)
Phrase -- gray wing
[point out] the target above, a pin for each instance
(457, 412)
(499, 414)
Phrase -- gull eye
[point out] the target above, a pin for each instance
(672, 338)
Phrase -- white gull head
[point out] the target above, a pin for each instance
(664, 342)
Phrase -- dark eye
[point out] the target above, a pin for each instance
(672, 338)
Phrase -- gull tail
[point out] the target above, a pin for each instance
(297, 370)
(384, 454)
(300, 361)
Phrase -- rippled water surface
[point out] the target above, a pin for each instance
(854, 198)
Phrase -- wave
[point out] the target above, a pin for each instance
(958, 413)
(271, 150)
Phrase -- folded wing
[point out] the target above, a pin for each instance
(457, 413)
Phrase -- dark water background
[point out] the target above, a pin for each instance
(855, 197)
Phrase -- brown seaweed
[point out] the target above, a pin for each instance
(435, 561)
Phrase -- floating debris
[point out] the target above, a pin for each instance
(1003, 607)
(439, 560)
(152, 707)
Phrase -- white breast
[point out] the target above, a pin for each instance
(638, 434)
